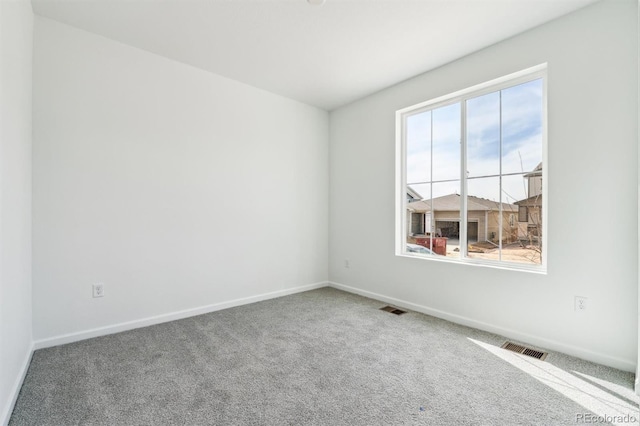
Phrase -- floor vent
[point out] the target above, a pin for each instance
(524, 350)
(393, 310)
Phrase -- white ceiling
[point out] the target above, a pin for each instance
(326, 55)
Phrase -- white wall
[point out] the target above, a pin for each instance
(174, 187)
(593, 205)
(637, 385)
(16, 24)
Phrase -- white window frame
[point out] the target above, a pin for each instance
(520, 77)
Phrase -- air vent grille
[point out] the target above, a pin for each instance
(510, 346)
(393, 310)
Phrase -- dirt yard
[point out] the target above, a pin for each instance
(510, 252)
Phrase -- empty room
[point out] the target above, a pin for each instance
(319, 212)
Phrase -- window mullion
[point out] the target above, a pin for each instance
(500, 215)
(431, 212)
(463, 180)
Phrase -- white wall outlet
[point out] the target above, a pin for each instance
(347, 264)
(580, 303)
(98, 290)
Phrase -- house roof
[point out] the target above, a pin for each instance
(418, 206)
(452, 203)
(413, 194)
(536, 172)
(536, 200)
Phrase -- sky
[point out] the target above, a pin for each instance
(504, 129)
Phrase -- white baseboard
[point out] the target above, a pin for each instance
(15, 390)
(172, 316)
(599, 358)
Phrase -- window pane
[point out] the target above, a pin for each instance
(418, 216)
(483, 218)
(522, 127)
(483, 135)
(514, 189)
(446, 142)
(446, 217)
(523, 193)
(419, 147)
(418, 207)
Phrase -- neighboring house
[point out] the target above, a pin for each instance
(483, 218)
(534, 181)
(530, 209)
(412, 195)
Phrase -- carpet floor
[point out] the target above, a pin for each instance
(323, 357)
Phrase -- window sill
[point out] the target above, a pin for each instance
(534, 269)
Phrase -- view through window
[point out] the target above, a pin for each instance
(473, 174)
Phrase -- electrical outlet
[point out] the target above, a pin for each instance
(347, 264)
(98, 290)
(580, 303)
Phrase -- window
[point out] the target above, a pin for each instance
(469, 165)
(523, 214)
